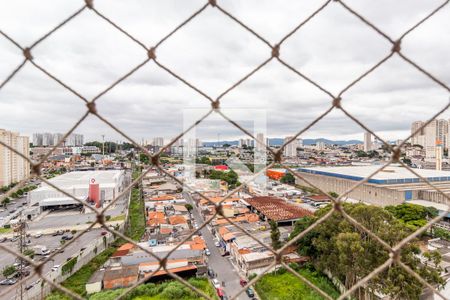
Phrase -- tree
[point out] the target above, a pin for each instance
(188, 206)
(333, 194)
(29, 252)
(350, 254)
(9, 270)
(143, 158)
(361, 153)
(407, 161)
(372, 153)
(230, 177)
(414, 216)
(275, 235)
(5, 201)
(288, 178)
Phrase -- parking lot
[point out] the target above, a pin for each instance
(52, 243)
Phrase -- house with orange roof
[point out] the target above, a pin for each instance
(156, 218)
(162, 198)
(123, 250)
(179, 221)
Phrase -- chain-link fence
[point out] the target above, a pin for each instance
(337, 102)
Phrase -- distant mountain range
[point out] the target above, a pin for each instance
(279, 142)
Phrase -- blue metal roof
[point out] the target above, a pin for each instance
(375, 181)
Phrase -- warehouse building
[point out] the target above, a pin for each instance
(391, 186)
(77, 184)
(276, 209)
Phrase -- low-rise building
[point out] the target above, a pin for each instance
(120, 276)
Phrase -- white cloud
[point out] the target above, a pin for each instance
(213, 52)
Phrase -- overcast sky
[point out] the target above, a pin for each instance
(213, 52)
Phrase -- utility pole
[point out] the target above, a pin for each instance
(21, 229)
(103, 145)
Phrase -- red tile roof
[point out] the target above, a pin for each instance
(277, 209)
(177, 219)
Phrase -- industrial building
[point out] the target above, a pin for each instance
(99, 186)
(391, 186)
(276, 209)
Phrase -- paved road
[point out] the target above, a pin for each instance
(220, 264)
(51, 242)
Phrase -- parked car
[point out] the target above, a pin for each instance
(67, 237)
(207, 252)
(220, 292)
(9, 281)
(3, 239)
(242, 282)
(55, 267)
(211, 273)
(217, 244)
(38, 234)
(24, 273)
(58, 232)
(250, 292)
(104, 232)
(216, 283)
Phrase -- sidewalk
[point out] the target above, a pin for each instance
(52, 230)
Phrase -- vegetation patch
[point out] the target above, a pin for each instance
(285, 285)
(168, 290)
(68, 266)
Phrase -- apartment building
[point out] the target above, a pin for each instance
(291, 149)
(434, 132)
(52, 139)
(13, 167)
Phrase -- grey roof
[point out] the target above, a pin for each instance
(138, 257)
(97, 277)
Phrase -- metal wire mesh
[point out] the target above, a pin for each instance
(337, 102)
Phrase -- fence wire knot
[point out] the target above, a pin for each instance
(89, 3)
(152, 53)
(27, 54)
(215, 104)
(396, 47)
(276, 51)
(337, 102)
(92, 107)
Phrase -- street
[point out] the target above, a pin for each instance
(221, 265)
(51, 242)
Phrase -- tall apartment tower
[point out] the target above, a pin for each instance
(158, 141)
(291, 149)
(37, 139)
(13, 168)
(442, 132)
(367, 141)
(439, 154)
(419, 137)
(47, 139)
(431, 135)
(259, 143)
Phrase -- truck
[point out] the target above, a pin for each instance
(41, 250)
